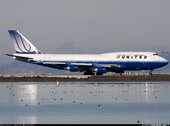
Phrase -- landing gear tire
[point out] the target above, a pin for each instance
(89, 73)
(150, 73)
(99, 73)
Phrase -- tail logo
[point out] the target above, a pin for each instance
(21, 44)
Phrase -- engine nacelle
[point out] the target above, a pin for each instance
(72, 68)
(100, 70)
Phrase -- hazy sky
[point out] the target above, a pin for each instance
(116, 25)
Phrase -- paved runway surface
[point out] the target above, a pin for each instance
(57, 77)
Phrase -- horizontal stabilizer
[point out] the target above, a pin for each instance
(21, 58)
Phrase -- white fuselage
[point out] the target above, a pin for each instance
(128, 60)
(105, 57)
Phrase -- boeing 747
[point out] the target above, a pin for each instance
(90, 64)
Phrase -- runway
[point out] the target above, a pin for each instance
(74, 78)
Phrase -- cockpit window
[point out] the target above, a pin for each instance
(155, 54)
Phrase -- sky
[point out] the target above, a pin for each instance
(86, 26)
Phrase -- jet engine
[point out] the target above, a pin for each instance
(72, 68)
(99, 69)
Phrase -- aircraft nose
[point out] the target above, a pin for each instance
(165, 62)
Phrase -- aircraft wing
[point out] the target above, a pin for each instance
(110, 65)
(55, 63)
(85, 66)
(65, 63)
(82, 64)
(103, 65)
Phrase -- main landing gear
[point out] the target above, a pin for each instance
(89, 72)
(99, 73)
(150, 73)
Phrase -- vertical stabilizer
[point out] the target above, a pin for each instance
(21, 44)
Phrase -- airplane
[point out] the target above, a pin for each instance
(90, 64)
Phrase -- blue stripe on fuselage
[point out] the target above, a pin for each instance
(126, 65)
